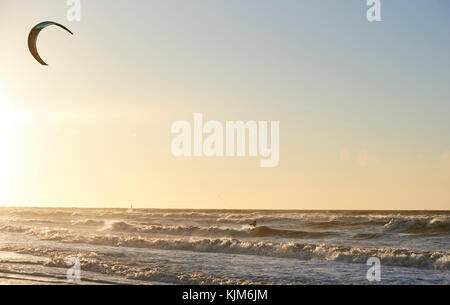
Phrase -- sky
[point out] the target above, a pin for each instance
(363, 106)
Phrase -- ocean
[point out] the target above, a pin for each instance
(157, 246)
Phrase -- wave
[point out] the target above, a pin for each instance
(88, 222)
(419, 225)
(40, 213)
(61, 233)
(313, 221)
(13, 229)
(386, 223)
(388, 256)
(368, 235)
(246, 231)
(122, 271)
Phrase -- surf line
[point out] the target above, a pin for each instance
(229, 140)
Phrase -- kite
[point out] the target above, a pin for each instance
(34, 33)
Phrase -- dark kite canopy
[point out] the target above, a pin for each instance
(34, 33)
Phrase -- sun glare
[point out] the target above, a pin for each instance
(9, 121)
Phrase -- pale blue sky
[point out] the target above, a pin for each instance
(333, 80)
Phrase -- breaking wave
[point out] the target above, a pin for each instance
(389, 256)
(246, 231)
(418, 225)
